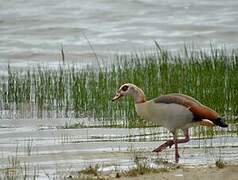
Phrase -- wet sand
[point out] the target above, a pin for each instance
(193, 173)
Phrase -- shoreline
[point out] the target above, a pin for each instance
(229, 172)
(168, 172)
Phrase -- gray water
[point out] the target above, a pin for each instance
(32, 32)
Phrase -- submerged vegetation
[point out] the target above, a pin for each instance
(211, 77)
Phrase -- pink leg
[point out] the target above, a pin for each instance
(172, 142)
(176, 148)
(185, 131)
(164, 146)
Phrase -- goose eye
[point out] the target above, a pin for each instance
(124, 88)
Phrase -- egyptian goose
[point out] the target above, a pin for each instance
(172, 111)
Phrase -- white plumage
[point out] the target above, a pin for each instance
(170, 116)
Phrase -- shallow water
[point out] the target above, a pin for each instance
(33, 31)
(55, 151)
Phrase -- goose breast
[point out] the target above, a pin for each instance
(171, 116)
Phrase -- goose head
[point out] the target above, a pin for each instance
(130, 89)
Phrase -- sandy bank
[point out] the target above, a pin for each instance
(193, 173)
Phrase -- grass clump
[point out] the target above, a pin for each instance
(142, 166)
(220, 164)
(143, 169)
(89, 173)
(93, 170)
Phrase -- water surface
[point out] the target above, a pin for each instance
(32, 31)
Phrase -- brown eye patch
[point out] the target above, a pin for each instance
(124, 88)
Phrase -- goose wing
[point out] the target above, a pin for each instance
(199, 111)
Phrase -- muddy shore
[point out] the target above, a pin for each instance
(229, 172)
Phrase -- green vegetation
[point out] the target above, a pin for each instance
(211, 77)
(141, 166)
(91, 170)
(16, 169)
(220, 164)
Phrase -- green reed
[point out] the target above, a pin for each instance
(211, 77)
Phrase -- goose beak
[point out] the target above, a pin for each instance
(117, 96)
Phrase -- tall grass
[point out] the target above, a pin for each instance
(211, 77)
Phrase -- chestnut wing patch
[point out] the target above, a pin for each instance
(199, 111)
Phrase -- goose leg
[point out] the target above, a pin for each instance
(186, 139)
(175, 141)
(168, 143)
(176, 148)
